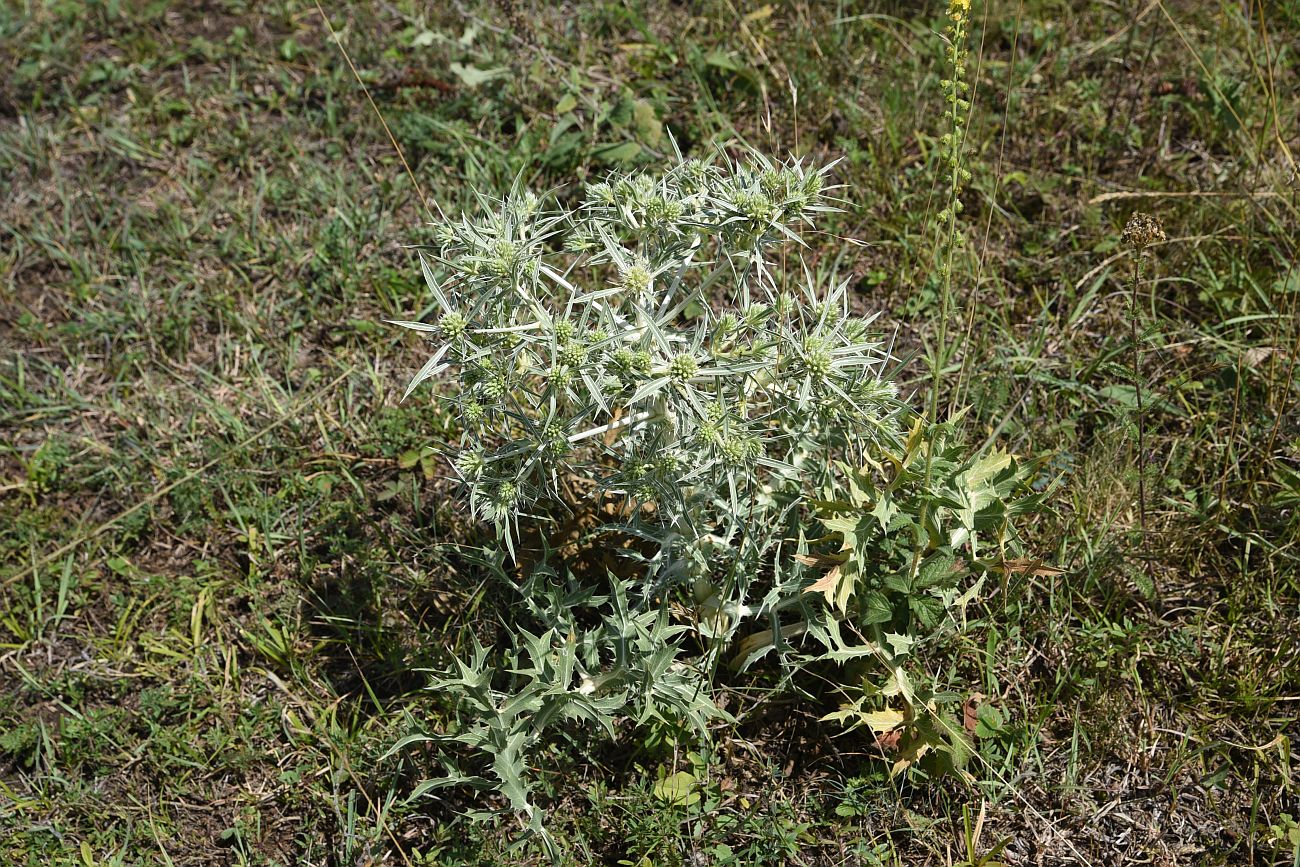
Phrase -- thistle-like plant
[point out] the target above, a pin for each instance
(662, 351)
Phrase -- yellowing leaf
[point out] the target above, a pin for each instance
(826, 585)
(911, 757)
(472, 76)
(881, 721)
(751, 645)
(821, 559)
(914, 439)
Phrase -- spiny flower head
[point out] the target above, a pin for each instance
(453, 325)
(818, 362)
(564, 331)
(567, 356)
(573, 355)
(600, 194)
(682, 368)
(623, 360)
(636, 279)
(471, 464)
(555, 440)
(506, 495)
(503, 258)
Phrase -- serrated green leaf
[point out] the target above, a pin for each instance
(876, 608)
(989, 721)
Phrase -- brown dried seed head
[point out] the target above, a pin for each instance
(1142, 231)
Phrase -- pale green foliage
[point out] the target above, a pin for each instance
(650, 346)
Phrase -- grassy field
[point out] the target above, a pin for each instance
(225, 558)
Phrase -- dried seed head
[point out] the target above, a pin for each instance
(1142, 231)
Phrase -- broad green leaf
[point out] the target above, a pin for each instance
(899, 644)
(884, 511)
(989, 721)
(988, 466)
(681, 789)
(876, 608)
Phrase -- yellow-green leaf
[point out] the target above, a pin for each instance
(987, 467)
(681, 789)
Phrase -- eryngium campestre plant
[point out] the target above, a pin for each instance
(662, 347)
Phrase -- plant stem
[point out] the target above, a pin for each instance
(1137, 388)
(636, 418)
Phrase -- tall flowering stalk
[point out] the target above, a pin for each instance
(952, 150)
(1141, 232)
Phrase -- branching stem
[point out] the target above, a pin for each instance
(627, 421)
